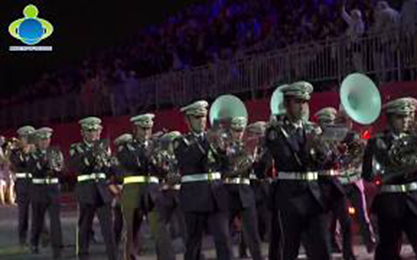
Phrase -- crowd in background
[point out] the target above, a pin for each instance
(213, 31)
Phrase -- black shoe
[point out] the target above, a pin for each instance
(336, 248)
(349, 256)
(34, 250)
(370, 246)
(23, 244)
(83, 257)
(56, 255)
(45, 239)
(243, 253)
(94, 240)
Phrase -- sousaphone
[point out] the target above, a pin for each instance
(276, 103)
(360, 99)
(222, 111)
(224, 108)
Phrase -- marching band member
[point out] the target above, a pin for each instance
(203, 196)
(19, 159)
(173, 215)
(352, 181)
(326, 117)
(241, 195)
(116, 188)
(46, 165)
(91, 162)
(297, 193)
(260, 185)
(141, 194)
(390, 160)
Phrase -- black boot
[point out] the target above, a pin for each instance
(34, 249)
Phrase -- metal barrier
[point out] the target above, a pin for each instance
(385, 57)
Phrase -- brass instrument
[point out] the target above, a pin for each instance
(360, 98)
(160, 155)
(101, 153)
(223, 110)
(164, 158)
(240, 160)
(402, 155)
(10, 145)
(319, 150)
(276, 103)
(55, 159)
(254, 139)
(360, 101)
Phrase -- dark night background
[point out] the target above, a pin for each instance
(80, 28)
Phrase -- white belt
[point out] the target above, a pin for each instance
(330, 172)
(402, 188)
(352, 171)
(140, 179)
(93, 176)
(346, 179)
(201, 177)
(174, 187)
(253, 176)
(298, 176)
(23, 175)
(238, 180)
(45, 181)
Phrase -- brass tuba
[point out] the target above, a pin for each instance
(360, 99)
(222, 111)
(361, 102)
(101, 152)
(55, 159)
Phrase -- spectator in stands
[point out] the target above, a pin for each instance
(386, 18)
(408, 21)
(386, 22)
(119, 94)
(224, 29)
(131, 88)
(356, 29)
(356, 26)
(409, 16)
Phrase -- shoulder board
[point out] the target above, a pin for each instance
(74, 145)
(33, 155)
(76, 148)
(179, 139)
(185, 138)
(120, 148)
(129, 146)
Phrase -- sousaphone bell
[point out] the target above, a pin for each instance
(360, 99)
(277, 106)
(224, 109)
